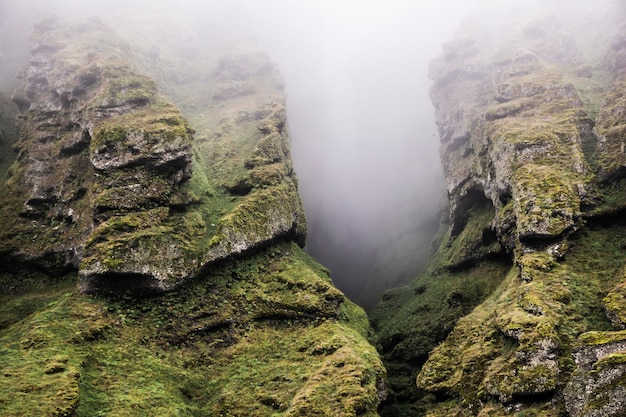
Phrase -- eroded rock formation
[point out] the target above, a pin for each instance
(530, 120)
(102, 175)
(184, 232)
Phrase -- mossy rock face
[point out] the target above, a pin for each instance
(494, 141)
(8, 131)
(195, 297)
(243, 193)
(96, 140)
(615, 303)
(608, 146)
(529, 121)
(266, 335)
(8, 135)
(610, 128)
(519, 345)
(108, 178)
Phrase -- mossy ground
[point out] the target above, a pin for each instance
(265, 335)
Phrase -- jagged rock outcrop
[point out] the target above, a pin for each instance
(98, 150)
(102, 175)
(111, 186)
(597, 386)
(530, 126)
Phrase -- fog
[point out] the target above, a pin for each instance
(364, 142)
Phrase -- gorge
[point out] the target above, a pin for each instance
(154, 253)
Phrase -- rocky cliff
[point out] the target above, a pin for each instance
(521, 310)
(151, 233)
(101, 181)
(151, 259)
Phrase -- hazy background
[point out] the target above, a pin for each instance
(364, 142)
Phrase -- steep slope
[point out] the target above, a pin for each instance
(151, 266)
(265, 335)
(519, 311)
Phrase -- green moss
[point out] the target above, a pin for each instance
(106, 134)
(321, 370)
(263, 335)
(112, 242)
(121, 86)
(484, 355)
(547, 203)
(610, 128)
(533, 265)
(8, 136)
(261, 216)
(132, 189)
(611, 199)
(509, 346)
(160, 117)
(615, 304)
(611, 359)
(157, 124)
(531, 143)
(357, 319)
(602, 338)
(41, 355)
(407, 318)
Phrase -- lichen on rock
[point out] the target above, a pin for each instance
(597, 386)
